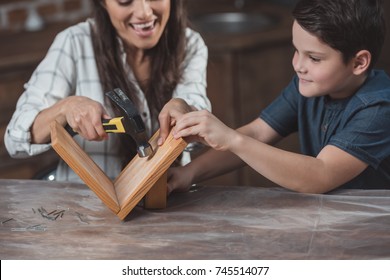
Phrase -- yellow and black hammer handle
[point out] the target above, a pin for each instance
(114, 125)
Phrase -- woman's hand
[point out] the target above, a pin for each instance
(174, 109)
(202, 126)
(179, 179)
(84, 116)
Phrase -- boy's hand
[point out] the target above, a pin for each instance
(202, 126)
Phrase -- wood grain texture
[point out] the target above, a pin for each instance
(132, 184)
(156, 197)
(84, 166)
(141, 174)
(206, 223)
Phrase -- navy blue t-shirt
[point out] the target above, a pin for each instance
(359, 125)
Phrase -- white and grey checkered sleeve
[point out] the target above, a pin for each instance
(52, 80)
(192, 88)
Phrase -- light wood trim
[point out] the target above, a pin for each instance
(84, 166)
(133, 183)
(156, 197)
(140, 175)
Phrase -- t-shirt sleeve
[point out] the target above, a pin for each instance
(282, 113)
(366, 135)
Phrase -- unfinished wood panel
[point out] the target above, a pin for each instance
(156, 198)
(83, 166)
(133, 183)
(143, 173)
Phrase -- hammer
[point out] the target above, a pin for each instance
(130, 122)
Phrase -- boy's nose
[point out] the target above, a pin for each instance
(298, 64)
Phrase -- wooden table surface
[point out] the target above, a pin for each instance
(49, 220)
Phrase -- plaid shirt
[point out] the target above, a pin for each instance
(69, 68)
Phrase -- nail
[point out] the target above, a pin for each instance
(52, 212)
(7, 221)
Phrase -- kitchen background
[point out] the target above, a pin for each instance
(14, 13)
(249, 63)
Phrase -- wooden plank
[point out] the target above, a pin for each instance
(156, 197)
(133, 183)
(141, 174)
(84, 166)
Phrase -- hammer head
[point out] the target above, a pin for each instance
(132, 121)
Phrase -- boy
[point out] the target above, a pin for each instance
(339, 105)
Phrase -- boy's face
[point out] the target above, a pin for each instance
(320, 68)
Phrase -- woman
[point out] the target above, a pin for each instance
(140, 46)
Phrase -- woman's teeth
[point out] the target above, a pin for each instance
(143, 26)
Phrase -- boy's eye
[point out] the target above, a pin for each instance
(128, 2)
(124, 2)
(315, 59)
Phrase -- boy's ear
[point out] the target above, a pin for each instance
(362, 61)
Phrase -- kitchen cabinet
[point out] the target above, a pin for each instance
(11, 85)
(20, 53)
(246, 71)
(221, 92)
(240, 85)
(263, 73)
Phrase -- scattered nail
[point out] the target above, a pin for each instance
(3, 222)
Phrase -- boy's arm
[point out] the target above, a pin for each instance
(251, 144)
(330, 169)
(214, 163)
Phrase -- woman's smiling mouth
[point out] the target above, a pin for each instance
(144, 28)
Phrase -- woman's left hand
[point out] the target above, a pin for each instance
(174, 109)
(179, 179)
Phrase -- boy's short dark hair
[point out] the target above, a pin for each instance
(345, 25)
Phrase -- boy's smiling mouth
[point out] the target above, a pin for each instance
(303, 80)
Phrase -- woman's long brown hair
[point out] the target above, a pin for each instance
(166, 59)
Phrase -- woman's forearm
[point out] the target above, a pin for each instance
(40, 130)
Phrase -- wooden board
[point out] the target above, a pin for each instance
(154, 197)
(140, 175)
(132, 184)
(84, 166)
